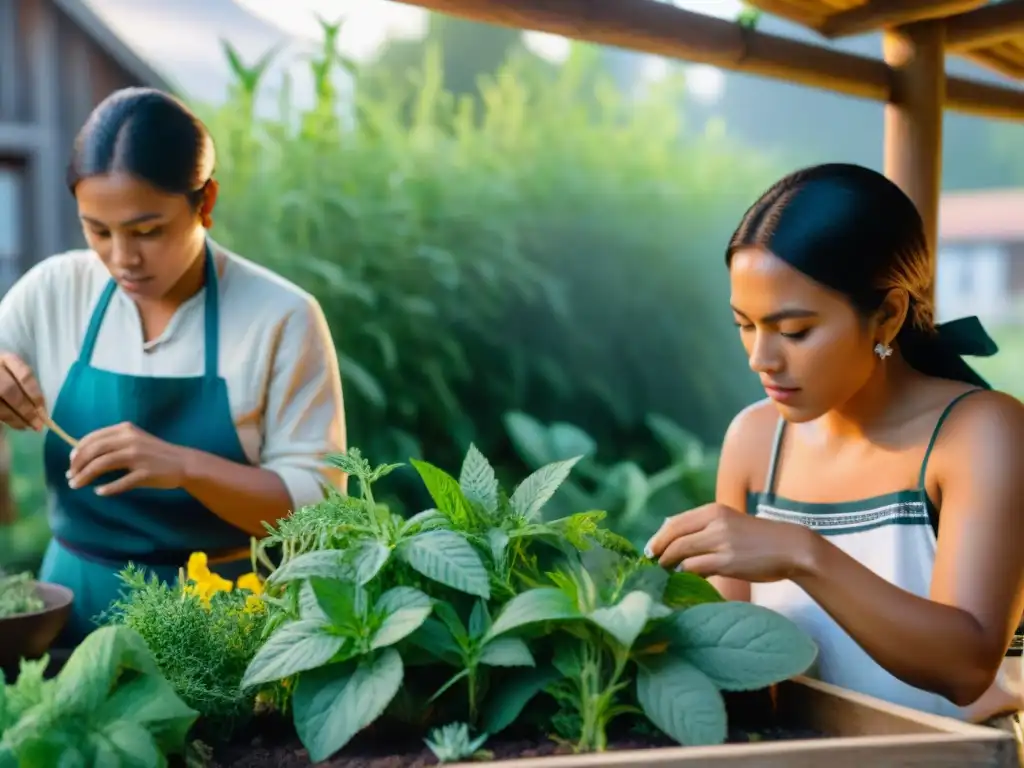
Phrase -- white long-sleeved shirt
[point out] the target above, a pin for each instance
(276, 354)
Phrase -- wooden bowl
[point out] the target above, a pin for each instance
(29, 635)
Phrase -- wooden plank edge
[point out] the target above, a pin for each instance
(821, 750)
(985, 26)
(935, 723)
(874, 16)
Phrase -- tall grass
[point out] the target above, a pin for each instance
(557, 250)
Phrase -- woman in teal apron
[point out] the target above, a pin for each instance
(883, 480)
(201, 351)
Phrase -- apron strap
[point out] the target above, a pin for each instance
(89, 343)
(211, 318)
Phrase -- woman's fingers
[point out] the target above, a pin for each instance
(21, 394)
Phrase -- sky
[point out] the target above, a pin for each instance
(369, 22)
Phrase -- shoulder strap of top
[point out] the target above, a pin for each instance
(773, 461)
(935, 432)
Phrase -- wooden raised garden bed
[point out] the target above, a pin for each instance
(850, 731)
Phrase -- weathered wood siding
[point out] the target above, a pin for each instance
(51, 75)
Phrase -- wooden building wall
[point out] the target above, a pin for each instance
(51, 75)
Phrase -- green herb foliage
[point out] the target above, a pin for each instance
(18, 595)
(365, 603)
(201, 649)
(109, 706)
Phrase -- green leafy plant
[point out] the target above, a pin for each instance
(481, 604)
(201, 646)
(109, 706)
(453, 743)
(18, 595)
(636, 500)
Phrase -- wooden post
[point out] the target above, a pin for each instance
(913, 117)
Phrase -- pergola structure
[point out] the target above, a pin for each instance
(910, 78)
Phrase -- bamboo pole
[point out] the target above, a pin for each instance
(913, 118)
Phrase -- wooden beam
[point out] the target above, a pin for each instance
(881, 14)
(984, 99)
(913, 117)
(663, 29)
(985, 26)
(660, 28)
(989, 59)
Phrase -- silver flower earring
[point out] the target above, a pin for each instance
(882, 350)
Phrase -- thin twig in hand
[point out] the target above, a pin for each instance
(53, 427)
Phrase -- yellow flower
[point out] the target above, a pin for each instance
(198, 567)
(250, 582)
(204, 583)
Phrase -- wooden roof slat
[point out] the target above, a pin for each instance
(994, 60)
(879, 14)
(985, 26)
(663, 29)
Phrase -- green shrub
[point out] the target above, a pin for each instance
(465, 613)
(558, 252)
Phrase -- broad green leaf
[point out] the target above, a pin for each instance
(295, 647)
(532, 606)
(478, 482)
(535, 491)
(479, 619)
(365, 560)
(322, 563)
(686, 589)
(435, 638)
(404, 610)
(682, 701)
(309, 606)
(333, 704)
(505, 703)
(90, 673)
(740, 646)
(151, 702)
(450, 618)
(446, 557)
(506, 652)
(497, 542)
(649, 578)
(127, 745)
(424, 521)
(626, 619)
(444, 490)
(343, 602)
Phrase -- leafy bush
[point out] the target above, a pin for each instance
(636, 501)
(202, 632)
(108, 706)
(557, 251)
(476, 607)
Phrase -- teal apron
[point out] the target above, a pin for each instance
(94, 537)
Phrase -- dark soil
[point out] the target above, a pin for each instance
(270, 743)
(259, 755)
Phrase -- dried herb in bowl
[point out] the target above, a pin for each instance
(18, 595)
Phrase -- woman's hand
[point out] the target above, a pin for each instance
(715, 540)
(148, 461)
(21, 399)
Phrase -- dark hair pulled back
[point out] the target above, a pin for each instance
(855, 231)
(148, 134)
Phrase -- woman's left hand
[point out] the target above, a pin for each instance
(715, 540)
(147, 461)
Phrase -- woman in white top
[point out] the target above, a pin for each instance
(882, 480)
(203, 390)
